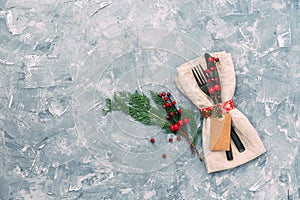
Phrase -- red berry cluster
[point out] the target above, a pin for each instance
(213, 59)
(213, 81)
(173, 114)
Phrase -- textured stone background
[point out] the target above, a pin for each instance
(57, 57)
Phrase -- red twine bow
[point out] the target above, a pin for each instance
(225, 107)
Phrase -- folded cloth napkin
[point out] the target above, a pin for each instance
(216, 160)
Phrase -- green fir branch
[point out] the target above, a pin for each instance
(139, 107)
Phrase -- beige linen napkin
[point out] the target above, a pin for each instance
(216, 160)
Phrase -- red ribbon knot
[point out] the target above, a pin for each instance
(217, 109)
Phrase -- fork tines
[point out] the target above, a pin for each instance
(201, 78)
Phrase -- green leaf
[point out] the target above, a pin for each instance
(139, 107)
(108, 103)
(157, 100)
(192, 124)
(157, 116)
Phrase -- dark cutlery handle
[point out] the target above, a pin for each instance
(237, 141)
(229, 154)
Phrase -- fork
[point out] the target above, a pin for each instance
(201, 79)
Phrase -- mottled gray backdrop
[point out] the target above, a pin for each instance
(59, 59)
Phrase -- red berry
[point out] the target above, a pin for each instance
(171, 114)
(176, 127)
(178, 138)
(168, 104)
(217, 87)
(164, 106)
(217, 59)
(179, 111)
(208, 80)
(173, 102)
(152, 140)
(166, 99)
(163, 94)
(171, 140)
(167, 117)
(216, 80)
(168, 94)
(159, 95)
(213, 68)
(207, 71)
(172, 128)
(211, 90)
(180, 122)
(186, 120)
(164, 155)
(211, 59)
